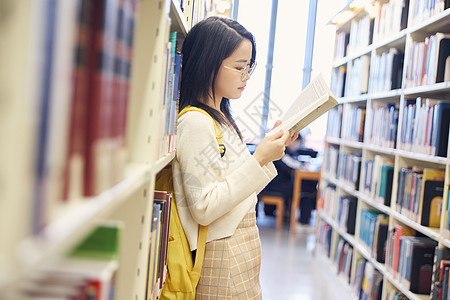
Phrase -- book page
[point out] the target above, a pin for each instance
(313, 101)
(316, 89)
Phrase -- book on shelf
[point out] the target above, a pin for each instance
(170, 98)
(315, 100)
(346, 215)
(386, 178)
(100, 97)
(372, 283)
(441, 254)
(102, 242)
(421, 267)
(165, 200)
(359, 274)
(430, 205)
(72, 278)
(390, 17)
(87, 272)
(440, 139)
(159, 237)
(334, 121)
(75, 163)
(357, 82)
(386, 73)
(427, 60)
(151, 289)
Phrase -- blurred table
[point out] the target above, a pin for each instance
(301, 174)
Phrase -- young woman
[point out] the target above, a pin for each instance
(220, 190)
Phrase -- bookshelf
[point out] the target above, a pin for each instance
(388, 108)
(39, 223)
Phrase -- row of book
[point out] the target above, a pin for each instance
(330, 165)
(349, 169)
(410, 258)
(386, 71)
(396, 295)
(377, 179)
(373, 233)
(391, 17)
(327, 203)
(338, 81)
(340, 45)
(88, 272)
(382, 125)
(420, 194)
(346, 213)
(414, 261)
(424, 9)
(357, 81)
(343, 256)
(334, 121)
(440, 277)
(368, 281)
(425, 126)
(361, 33)
(196, 10)
(428, 60)
(159, 237)
(82, 77)
(169, 111)
(353, 129)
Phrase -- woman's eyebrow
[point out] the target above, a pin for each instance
(242, 60)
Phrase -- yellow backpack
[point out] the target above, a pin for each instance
(182, 274)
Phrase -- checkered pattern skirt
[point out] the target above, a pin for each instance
(231, 266)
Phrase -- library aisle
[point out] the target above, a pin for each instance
(290, 270)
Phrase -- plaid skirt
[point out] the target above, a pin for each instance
(231, 266)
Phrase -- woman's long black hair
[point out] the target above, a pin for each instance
(206, 45)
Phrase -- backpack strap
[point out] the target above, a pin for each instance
(217, 131)
(202, 231)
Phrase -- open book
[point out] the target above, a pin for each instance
(315, 100)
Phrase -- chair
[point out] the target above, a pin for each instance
(299, 176)
(278, 201)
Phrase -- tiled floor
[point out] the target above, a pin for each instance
(289, 268)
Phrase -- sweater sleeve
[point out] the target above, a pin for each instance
(211, 189)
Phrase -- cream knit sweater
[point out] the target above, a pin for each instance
(213, 190)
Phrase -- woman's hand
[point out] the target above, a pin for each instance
(272, 147)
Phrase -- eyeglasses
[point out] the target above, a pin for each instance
(248, 70)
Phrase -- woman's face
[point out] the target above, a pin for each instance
(229, 82)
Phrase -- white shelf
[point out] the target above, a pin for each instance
(393, 94)
(433, 24)
(423, 157)
(433, 233)
(400, 41)
(405, 291)
(352, 144)
(177, 16)
(394, 41)
(380, 149)
(389, 151)
(350, 99)
(348, 237)
(356, 244)
(437, 88)
(346, 288)
(163, 162)
(64, 233)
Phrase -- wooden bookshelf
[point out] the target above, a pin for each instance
(127, 201)
(371, 149)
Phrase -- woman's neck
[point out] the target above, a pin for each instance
(214, 104)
